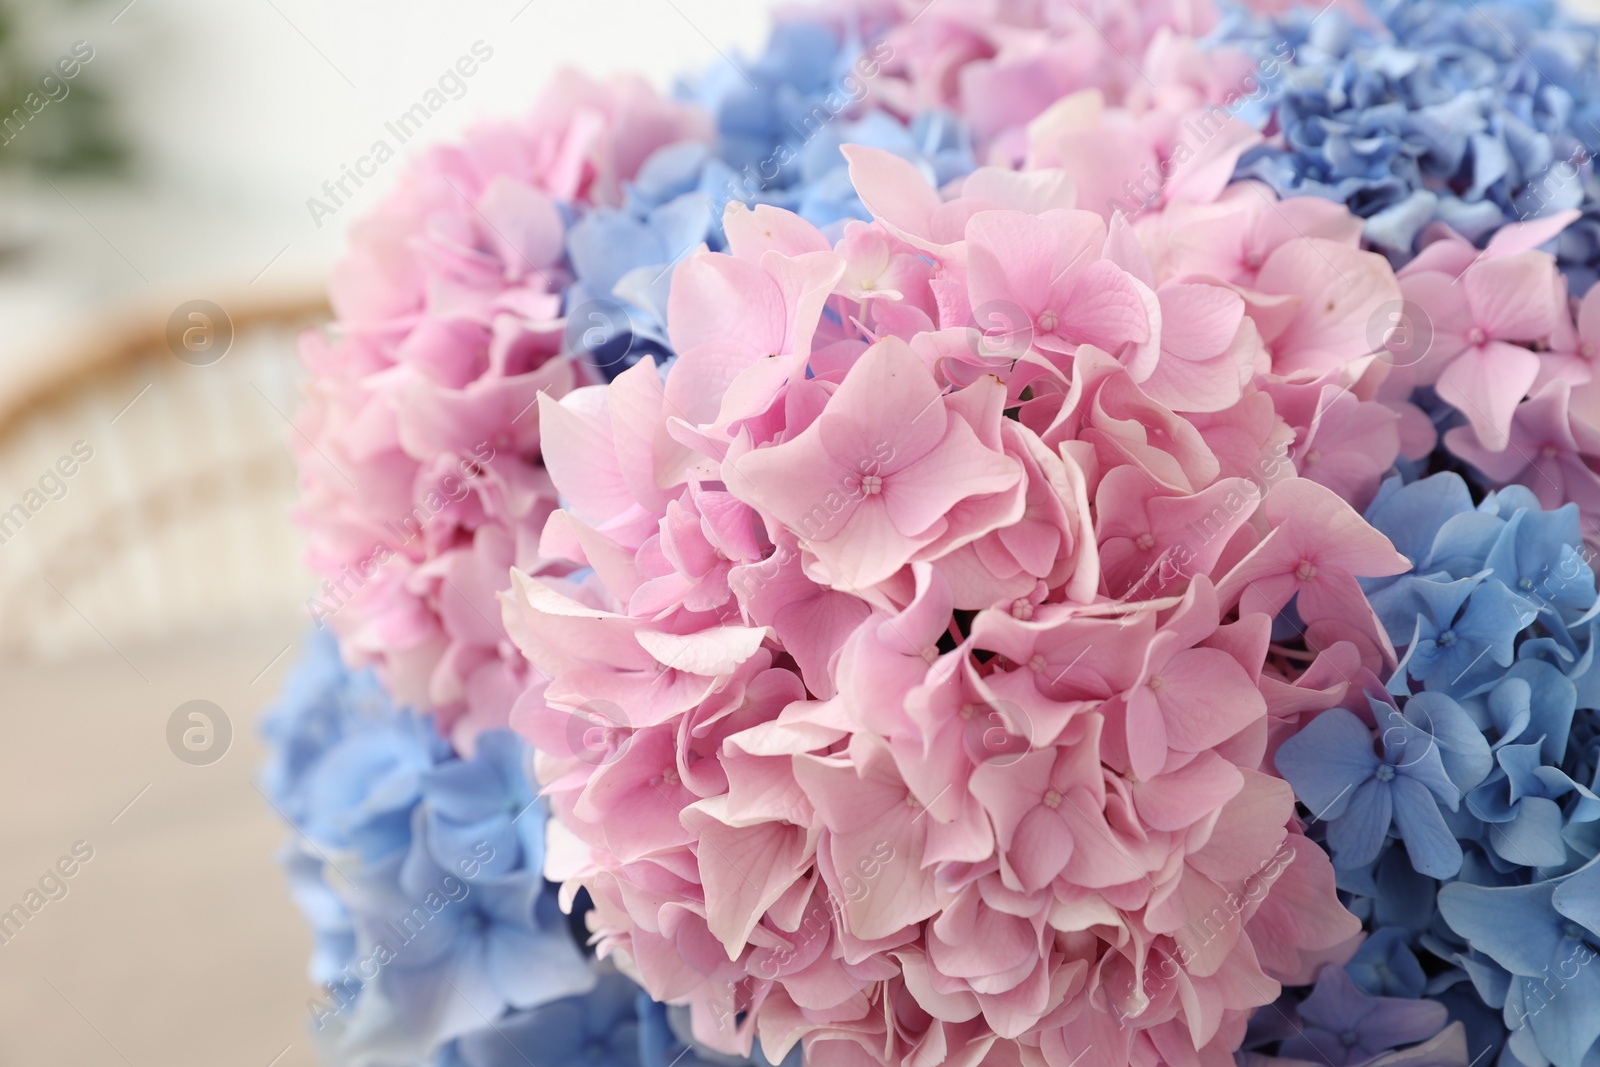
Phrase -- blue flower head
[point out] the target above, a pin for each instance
(1543, 939)
(1470, 114)
(437, 939)
(1342, 1025)
(1461, 809)
(481, 817)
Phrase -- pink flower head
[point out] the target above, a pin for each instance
(1548, 449)
(933, 593)
(869, 482)
(1482, 322)
(420, 445)
(1516, 357)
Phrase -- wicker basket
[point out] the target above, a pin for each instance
(143, 496)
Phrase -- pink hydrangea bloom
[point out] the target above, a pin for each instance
(911, 679)
(1516, 356)
(419, 445)
(420, 455)
(1000, 65)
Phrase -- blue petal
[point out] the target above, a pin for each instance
(1429, 842)
(1532, 837)
(1326, 760)
(1357, 836)
(1516, 926)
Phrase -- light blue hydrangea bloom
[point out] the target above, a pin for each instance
(1460, 807)
(1472, 114)
(437, 939)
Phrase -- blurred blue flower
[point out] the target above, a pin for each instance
(437, 939)
(333, 933)
(440, 955)
(598, 1029)
(1471, 114)
(360, 794)
(481, 817)
(320, 705)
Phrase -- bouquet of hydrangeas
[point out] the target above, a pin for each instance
(993, 534)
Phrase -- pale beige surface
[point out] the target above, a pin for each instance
(177, 945)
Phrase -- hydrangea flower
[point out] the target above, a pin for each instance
(536, 256)
(970, 549)
(839, 676)
(1510, 738)
(531, 258)
(435, 946)
(1424, 111)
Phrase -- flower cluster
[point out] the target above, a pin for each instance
(1496, 365)
(419, 439)
(438, 940)
(1000, 66)
(1420, 111)
(911, 578)
(537, 256)
(532, 258)
(1459, 802)
(914, 696)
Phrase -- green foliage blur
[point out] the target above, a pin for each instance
(77, 135)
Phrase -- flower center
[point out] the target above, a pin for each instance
(1036, 664)
(968, 711)
(1022, 608)
(872, 485)
(1146, 542)
(1586, 350)
(670, 776)
(1252, 260)
(1476, 336)
(1306, 571)
(930, 652)
(1446, 639)
(1526, 583)
(1550, 451)
(1312, 457)
(1051, 799)
(1385, 772)
(1048, 321)
(1574, 932)
(1156, 682)
(1349, 1037)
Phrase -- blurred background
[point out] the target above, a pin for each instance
(155, 561)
